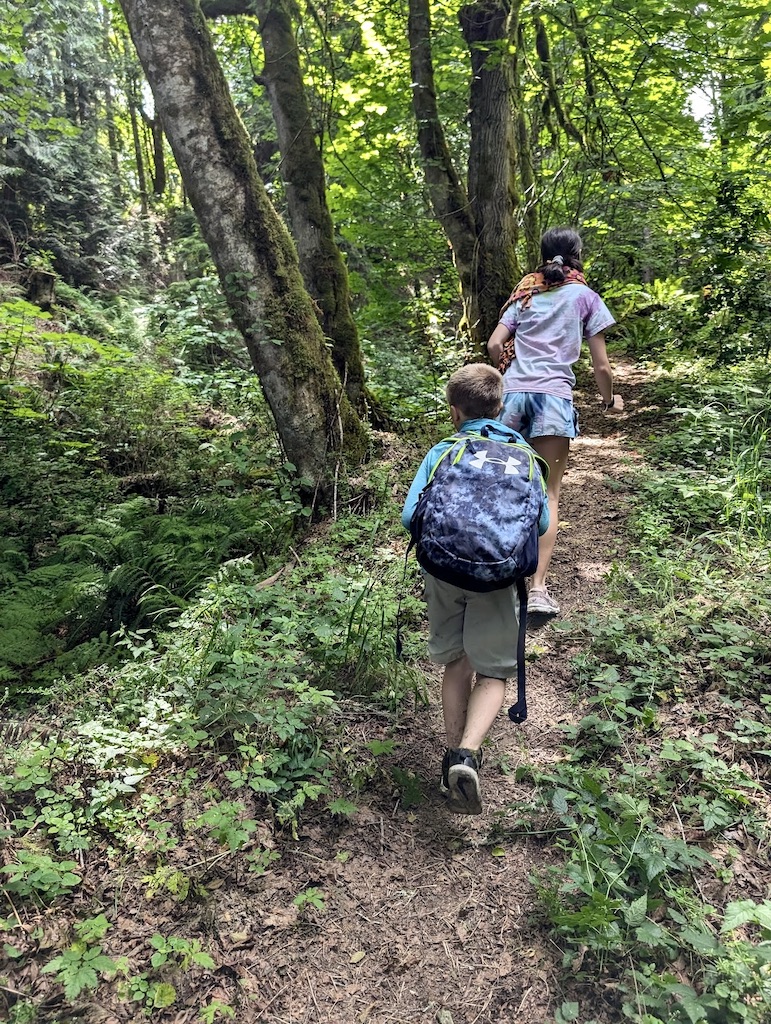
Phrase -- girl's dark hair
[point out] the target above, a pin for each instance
(564, 242)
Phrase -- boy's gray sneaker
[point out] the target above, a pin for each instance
(460, 781)
(540, 602)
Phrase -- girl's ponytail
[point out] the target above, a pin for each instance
(552, 270)
(560, 250)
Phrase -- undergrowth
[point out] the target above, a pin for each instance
(661, 807)
(181, 652)
(125, 484)
(194, 760)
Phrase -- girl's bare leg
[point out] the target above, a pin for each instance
(555, 451)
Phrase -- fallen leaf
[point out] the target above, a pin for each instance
(281, 918)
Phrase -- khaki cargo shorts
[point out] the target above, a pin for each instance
(482, 626)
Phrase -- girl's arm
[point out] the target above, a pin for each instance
(603, 373)
(500, 335)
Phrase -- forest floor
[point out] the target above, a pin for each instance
(430, 916)
(427, 917)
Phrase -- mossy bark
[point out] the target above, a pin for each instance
(302, 170)
(254, 254)
(478, 218)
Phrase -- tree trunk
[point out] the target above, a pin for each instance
(302, 170)
(448, 196)
(139, 157)
(40, 288)
(251, 247)
(492, 156)
(109, 108)
(159, 157)
(529, 210)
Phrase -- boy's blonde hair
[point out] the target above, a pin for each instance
(477, 390)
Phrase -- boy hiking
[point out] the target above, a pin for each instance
(473, 627)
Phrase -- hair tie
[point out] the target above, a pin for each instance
(556, 259)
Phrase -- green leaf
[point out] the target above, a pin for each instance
(654, 864)
(162, 995)
(344, 807)
(700, 939)
(764, 915)
(559, 801)
(635, 913)
(75, 981)
(380, 747)
(738, 913)
(651, 934)
(567, 1012)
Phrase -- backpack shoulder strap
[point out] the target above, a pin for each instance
(456, 441)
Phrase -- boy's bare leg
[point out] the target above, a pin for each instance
(469, 713)
(483, 707)
(479, 707)
(456, 691)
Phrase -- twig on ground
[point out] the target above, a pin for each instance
(489, 1000)
(313, 994)
(271, 579)
(270, 1002)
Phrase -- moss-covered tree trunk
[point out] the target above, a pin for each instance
(448, 195)
(492, 155)
(254, 254)
(302, 170)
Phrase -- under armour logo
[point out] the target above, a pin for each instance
(481, 458)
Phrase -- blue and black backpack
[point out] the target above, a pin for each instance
(476, 521)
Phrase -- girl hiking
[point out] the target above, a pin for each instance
(538, 339)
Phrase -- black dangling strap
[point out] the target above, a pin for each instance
(518, 711)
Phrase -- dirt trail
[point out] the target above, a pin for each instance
(422, 922)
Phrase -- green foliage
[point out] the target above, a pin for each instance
(410, 347)
(648, 802)
(716, 461)
(248, 675)
(730, 263)
(215, 1010)
(192, 322)
(87, 425)
(78, 968)
(40, 876)
(181, 953)
(310, 897)
(409, 787)
(226, 824)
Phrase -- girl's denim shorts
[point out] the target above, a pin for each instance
(538, 415)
